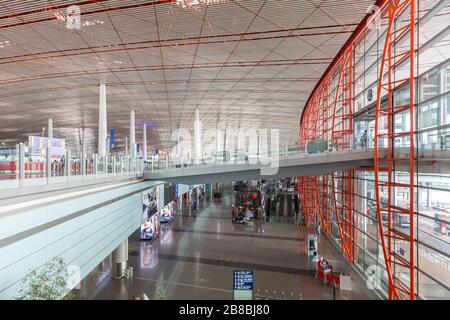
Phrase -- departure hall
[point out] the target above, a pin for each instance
(225, 150)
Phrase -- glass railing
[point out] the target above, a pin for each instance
(242, 158)
(17, 164)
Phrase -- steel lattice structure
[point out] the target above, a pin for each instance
(332, 196)
(389, 80)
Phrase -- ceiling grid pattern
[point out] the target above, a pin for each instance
(243, 63)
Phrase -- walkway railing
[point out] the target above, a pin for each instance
(241, 158)
(19, 168)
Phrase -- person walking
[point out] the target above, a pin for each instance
(364, 140)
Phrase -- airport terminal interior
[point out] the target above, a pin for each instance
(225, 150)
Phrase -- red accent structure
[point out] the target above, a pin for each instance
(308, 198)
(341, 139)
(395, 216)
(397, 243)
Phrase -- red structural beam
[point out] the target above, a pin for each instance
(400, 265)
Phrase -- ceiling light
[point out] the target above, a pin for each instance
(195, 3)
(92, 23)
(6, 43)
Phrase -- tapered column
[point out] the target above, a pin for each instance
(102, 122)
(144, 142)
(68, 155)
(83, 152)
(197, 137)
(219, 138)
(21, 162)
(50, 130)
(132, 134)
(48, 160)
(49, 146)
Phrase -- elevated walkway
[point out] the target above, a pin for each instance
(81, 225)
(301, 164)
(40, 188)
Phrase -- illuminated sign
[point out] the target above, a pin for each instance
(37, 146)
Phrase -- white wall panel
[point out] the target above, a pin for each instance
(83, 241)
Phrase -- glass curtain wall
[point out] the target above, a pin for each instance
(432, 147)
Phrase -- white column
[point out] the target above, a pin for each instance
(126, 145)
(197, 137)
(94, 163)
(120, 259)
(132, 135)
(108, 144)
(67, 163)
(50, 129)
(144, 142)
(21, 161)
(50, 138)
(102, 122)
(218, 139)
(48, 160)
(83, 152)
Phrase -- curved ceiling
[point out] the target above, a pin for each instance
(243, 63)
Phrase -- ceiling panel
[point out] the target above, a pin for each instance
(243, 63)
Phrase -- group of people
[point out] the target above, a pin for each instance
(197, 196)
(247, 211)
(58, 166)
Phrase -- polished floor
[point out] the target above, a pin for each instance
(195, 256)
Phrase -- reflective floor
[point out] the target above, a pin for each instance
(195, 256)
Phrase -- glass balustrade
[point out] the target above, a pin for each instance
(17, 163)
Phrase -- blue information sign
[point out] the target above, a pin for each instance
(112, 138)
(243, 280)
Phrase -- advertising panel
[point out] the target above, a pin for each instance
(37, 146)
(168, 212)
(150, 214)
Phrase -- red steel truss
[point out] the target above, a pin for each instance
(342, 121)
(392, 175)
(316, 192)
(342, 186)
(397, 72)
(341, 138)
(308, 198)
(311, 189)
(323, 198)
